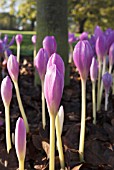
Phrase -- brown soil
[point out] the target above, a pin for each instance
(99, 138)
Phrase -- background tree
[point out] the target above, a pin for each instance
(52, 20)
(87, 14)
(27, 12)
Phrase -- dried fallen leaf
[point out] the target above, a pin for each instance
(46, 147)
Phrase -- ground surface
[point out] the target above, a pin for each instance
(99, 139)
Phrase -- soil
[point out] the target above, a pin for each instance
(99, 138)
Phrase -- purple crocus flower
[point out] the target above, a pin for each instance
(111, 54)
(4, 46)
(13, 67)
(84, 36)
(20, 139)
(33, 39)
(107, 81)
(6, 90)
(40, 62)
(92, 41)
(58, 61)
(19, 38)
(53, 89)
(71, 38)
(109, 40)
(97, 32)
(82, 56)
(94, 70)
(101, 47)
(50, 45)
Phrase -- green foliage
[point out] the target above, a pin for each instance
(87, 14)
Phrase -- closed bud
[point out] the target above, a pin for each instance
(107, 81)
(20, 139)
(53, 89)
(13, 67)
(40, 62)
(94, 70)
(82, 56)
(19, 38)
(50, 45)
(6, 90)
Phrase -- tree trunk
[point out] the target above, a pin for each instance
(52, 20)
(81, 25)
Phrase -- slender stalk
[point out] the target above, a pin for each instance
(83, 116)
(34, 51)
(21, 106)
(6, 56)
(7, 120)
(59, 142)
(18, 53)
(98, 85)
(70, 53)
(106, 101)
(43, 106)
(21, 164)
(101, 87)
(110, 69)
(94, 101)
(113, 83)
(52, 142)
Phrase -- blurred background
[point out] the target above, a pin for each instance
(83, 15)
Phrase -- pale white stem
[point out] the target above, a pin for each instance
(52, 142)
(18, 53)
(21, 164)
(101, 87)
(43, 106)
(59, 142)
(83, 117)
(98, 83)
(7, 121)
(106, 101)
(94, 101)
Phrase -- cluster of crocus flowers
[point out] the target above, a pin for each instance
(20, 142)
(40, 63)
(6, 94)
(53, 89)
(82, 56)
(19, 39)
(13, 69)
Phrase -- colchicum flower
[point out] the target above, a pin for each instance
(53, 89)
(6, 94)
(20, 142)
(19, 39)
(13, 69)
(33, 39)
(50, 45)
(111, 57)
(107, 82)
(82, 57)
(40, 62)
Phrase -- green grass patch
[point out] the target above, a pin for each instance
(26, 46)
